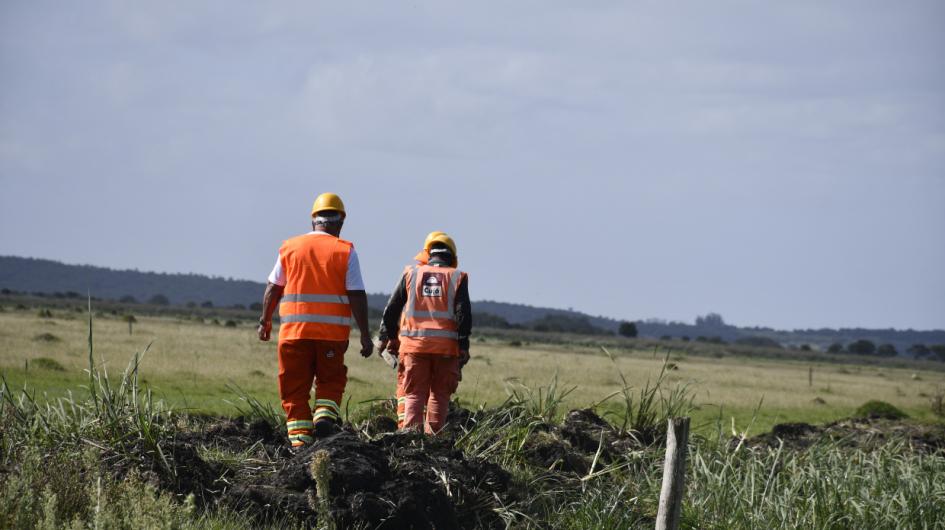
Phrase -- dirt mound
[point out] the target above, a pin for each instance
(397, 480)
(864, 433)
(378, 477)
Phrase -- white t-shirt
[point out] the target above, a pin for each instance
(353, 281)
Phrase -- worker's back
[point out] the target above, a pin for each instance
(428, 321)
(315, 302)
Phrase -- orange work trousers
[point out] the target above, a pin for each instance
(426, 381)
(301, 362)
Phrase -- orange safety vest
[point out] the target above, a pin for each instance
(315, 300)
(428, 320)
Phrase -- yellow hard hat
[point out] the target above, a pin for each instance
(440, 237)
(429, 240)
(328, 202)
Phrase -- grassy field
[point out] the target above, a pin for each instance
(191, 364)
(123, 461)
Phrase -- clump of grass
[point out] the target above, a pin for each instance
(321, 500)
(44, 313)
(46, 337)
(826, 486)
(256, 373)
(251, 408)
(229, 324)
(643, 414)
(45, 363)
(938, 403)
(879, 409)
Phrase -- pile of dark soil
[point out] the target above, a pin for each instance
(378, 478)
(863, 433)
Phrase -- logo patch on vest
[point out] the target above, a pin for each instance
(431, 284)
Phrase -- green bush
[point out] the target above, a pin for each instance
(45, 363)
(879, 409)
(627, 329)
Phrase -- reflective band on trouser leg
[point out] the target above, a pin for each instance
(301, 439)
(292, 425)
(326, 409)
(401, 411)
(300, 432)
(442, 333)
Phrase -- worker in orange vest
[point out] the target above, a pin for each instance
(422, 257)
(317, 279)
(427, 322)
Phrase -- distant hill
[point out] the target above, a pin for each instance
(46, 276)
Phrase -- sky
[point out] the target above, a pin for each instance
(780, 163)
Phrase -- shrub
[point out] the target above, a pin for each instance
(862, 347)
(44, 313)
(566, 324)
(45, 363)
(938, 352)
(879, 409)
(836, 347)
(230, 323)
(159, 299)
(761, 342)
(627, 329)
(887, 350)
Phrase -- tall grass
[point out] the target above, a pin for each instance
(826, 486)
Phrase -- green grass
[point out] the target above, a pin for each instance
(191, 363)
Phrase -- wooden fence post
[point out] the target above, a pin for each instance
(674, 474)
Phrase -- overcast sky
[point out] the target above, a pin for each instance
(781, 163)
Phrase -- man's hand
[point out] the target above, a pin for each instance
(382, 345)
(264, 329)
(463, 357)
(367, 346)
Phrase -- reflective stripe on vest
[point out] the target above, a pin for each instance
(443, 333)
(317, 319)
(317, 298)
